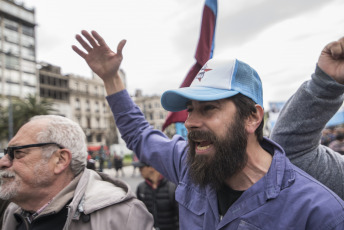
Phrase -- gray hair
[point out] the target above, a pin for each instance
(66, 133)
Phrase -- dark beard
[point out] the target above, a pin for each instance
(230, 156)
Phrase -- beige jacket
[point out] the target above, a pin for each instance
(109, 202)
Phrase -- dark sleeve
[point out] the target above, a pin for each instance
(139, 191)
(299, 126)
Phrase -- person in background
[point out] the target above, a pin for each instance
(134, 164)
(338, 144)
(44, 175)
(157, 193)
(91, 163)
(118, 164)
(299, 126)
(101, 154)
(229, 176)
(327, 136)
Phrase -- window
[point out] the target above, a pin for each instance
(11, 62)
(79, 120)
(28, 66)
(28, 53)
(28, 41)
(104, 108)
(12, 76)
(161, 115)
(11, 25)
(28, 90)
(99, 138)
(12, 89)
(29, 79)
(97, 107)
(89, 138)
(77, 104)
(28, 31)
(11, 36)
(87, 105)
(11, 49)
(98, 123)
(88, 122)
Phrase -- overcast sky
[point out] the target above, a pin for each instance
(281, 39)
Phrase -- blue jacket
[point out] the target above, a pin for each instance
(285, 198)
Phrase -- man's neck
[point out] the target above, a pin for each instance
(258, 164)
(36, 201)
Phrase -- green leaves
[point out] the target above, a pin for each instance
(23, 110)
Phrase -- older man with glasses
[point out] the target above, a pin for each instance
(44, 175)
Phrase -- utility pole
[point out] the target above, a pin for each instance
(10, 108)
(10, 117)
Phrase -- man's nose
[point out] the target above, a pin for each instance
(5, 162)
(194, 120)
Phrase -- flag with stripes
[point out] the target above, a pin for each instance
(204, 52)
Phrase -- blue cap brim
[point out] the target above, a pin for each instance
(175, 100)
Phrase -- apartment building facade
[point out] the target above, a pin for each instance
(151, 107)
(18, 72)
(82, 100)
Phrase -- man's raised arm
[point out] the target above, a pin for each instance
(299, 125)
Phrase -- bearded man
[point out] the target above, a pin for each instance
(229, 176)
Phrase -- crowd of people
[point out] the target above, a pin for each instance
(333, 137)
(226, 175)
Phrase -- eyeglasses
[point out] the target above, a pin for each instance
(10, 150)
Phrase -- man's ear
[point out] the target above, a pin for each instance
(63, 158)
(254, 120)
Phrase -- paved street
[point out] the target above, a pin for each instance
(133, 181)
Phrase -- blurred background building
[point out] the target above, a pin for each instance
(18, 74)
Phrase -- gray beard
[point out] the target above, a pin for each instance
(8, 189)
(230, 156)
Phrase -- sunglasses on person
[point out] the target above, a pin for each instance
(10, 150)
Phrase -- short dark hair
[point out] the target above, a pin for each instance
(246, 107)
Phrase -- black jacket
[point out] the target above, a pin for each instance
(160, 203)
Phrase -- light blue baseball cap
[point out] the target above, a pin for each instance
(217, 80)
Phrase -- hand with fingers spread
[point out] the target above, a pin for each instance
(101, 59)
(331, 60)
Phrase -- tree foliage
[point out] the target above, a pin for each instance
(23, 110)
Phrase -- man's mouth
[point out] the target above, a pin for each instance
(203, 146)
(6, 175)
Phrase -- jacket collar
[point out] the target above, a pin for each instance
(279, 176)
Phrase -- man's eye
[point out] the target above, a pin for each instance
(209, 107)
(189, 109)
(18, 154)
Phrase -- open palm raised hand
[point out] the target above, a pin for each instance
(100, 58)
